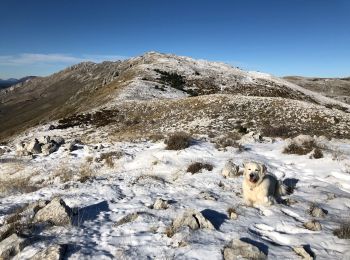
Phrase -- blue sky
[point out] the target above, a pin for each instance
(282, 37)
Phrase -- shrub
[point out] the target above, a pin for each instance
(279, 131)
(343, 231)
(317, 154)
(305, 148)
(173, 79)
(178, 141)
(198, 166)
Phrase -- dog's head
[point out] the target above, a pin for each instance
(254, 172)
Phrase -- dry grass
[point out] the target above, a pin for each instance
(85, 173)
(279, 131)
(109, 157)
(17, 185)
(343, 231)
(198, 166)
(178, 141)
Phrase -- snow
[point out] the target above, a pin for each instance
(118, 191)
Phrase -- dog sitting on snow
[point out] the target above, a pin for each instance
(260, 188)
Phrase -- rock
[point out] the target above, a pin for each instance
(192, 219)
(58, 140)
(313, 225)
(56, 212)
(317, 212)
(160, 204)
(301, 139)
(34, 147)
(207, 195)
(53, 252)
(11, 246)
(21, 149)
(237, 249)
(128, 218)
(49, 148)
(300, 250)
(251, 137)
(5, 230)
(233, 215)
(230, 170)
(75, 145)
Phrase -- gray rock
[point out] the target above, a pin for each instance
(75, 145)
(238, 249)
(160, 204)
(126, 219)
(11, 246)
(58, 140)
(49, 148)
(53, 252)
(317, 212)
(230, 170)
(193, 219)
(56, 212)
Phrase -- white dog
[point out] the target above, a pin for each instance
(260, 188)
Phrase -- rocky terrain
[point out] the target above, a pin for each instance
(143, 158)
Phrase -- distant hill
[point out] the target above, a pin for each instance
(5, 83)
(337, 88)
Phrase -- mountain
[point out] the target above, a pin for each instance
(337, 88)
(161, 81)
(5, 83)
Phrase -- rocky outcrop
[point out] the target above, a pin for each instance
(230, 170)
(237, 249)
(56, 212)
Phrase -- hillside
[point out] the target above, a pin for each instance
(337, 88)
(153, 76)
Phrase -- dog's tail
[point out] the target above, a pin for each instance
(282, 189)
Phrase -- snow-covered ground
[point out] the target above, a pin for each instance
(148, 171)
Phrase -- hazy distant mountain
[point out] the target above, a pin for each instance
(337, 88)
(5, 83)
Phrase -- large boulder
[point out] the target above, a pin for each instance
(56, 212)
(230, 170)
(53, 252)
(192, 219)
(238, 249)
(11, 246)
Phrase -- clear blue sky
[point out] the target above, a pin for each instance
(282, 37)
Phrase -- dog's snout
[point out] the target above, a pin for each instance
(251, 175)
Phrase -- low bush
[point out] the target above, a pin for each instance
(178, 141)
(198, 166)
(343, 231)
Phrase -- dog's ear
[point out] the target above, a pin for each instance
(244, 164)
(263, 168)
